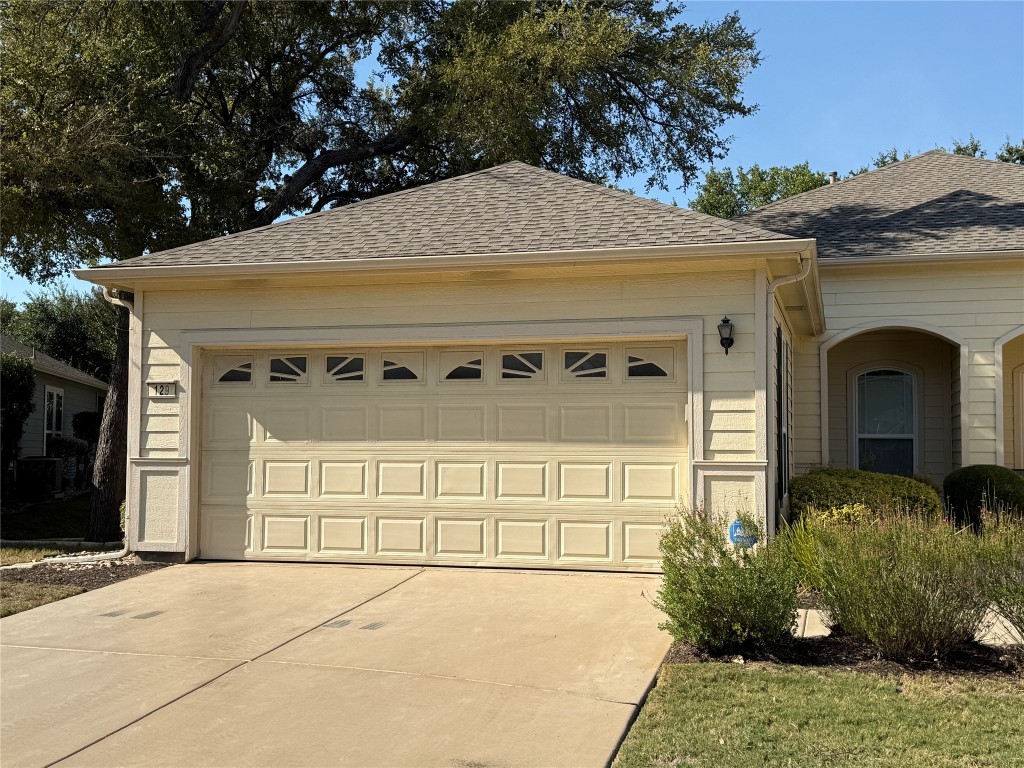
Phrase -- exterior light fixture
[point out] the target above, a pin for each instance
(725, 329)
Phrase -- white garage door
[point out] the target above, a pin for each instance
(537, 455)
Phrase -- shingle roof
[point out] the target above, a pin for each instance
(511, 208)
(47, 364)
(932, 203)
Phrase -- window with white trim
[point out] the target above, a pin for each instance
(53, 418)
(289, 369)
(522, 365)
(886, 421)
(342, 367)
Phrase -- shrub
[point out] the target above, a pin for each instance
(73, 452)
(970, 490)
(917, 589)
(86, 426)
(1004, 540)
(724, 599)
(18, 384)
(827, 488)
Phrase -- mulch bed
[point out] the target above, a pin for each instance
(844, 652)
(85, 575)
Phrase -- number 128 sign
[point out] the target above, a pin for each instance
(162, 389)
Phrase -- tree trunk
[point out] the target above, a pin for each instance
(112, 450)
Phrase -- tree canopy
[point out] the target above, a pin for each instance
(725, 194)
(126, 132)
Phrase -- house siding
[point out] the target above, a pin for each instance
(1013, 360)
(77, 398)
(976, 302)
(707, 291)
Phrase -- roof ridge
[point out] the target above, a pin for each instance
(650, 202)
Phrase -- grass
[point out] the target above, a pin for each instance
(12, 555)
(719, 715)
(16, 597)
(53, 520)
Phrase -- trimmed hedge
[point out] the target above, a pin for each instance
(827, 489)
(988, 487)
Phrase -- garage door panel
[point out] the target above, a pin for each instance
(569, 461)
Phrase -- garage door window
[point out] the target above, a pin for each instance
(289, 370)
(345, 367)
(462, 366)
(522, 365)
(402, 366)
(580, 364)
(647, 363)
(233, 369)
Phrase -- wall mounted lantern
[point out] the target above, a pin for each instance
(725, 329)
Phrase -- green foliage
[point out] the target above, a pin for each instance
(825, 489)
(916, 589)
(18, 385)
(725, 195)
(127, 131)
(66, 448)
(79, 329)
(1004, 540)
(969, 148)
(723, 599)
(972, 490)
(86, 426)
(1011, 153)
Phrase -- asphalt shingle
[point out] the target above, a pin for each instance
(46, 364)
(511, 208)
(936, 202)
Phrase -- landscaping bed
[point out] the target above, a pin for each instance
(21, 589)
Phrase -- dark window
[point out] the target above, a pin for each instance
(287, 368)
(240, 373)
(395, 372)
(471, 370)
(522, 365)
(637, 367)
(586, 365)
(346, 367)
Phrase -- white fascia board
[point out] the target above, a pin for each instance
(921, 258)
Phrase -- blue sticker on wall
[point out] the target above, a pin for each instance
(740, 537)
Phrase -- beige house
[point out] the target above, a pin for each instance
(514, 368)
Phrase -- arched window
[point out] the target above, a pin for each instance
(886, 421)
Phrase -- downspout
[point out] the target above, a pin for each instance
(127, 512)
(805, 270)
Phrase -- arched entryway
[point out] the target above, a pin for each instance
(891, 400)
(1010, 400)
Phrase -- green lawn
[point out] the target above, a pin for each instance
(741, 716)
(52, 520)
(16, 597)
(12, 555)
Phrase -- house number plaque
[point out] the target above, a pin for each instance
(162, 389)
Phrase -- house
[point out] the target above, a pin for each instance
(61, 393)
(514, 368)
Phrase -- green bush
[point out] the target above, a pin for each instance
(86, 426)
(1004, 540)
(971, 490)
(725, 599)
(18, 384)
(917, 589)
(826, 489)
(66, 448)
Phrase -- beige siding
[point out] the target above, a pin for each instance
(978, 303)
(1013, 419)
(505, 297)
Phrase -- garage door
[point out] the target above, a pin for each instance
(534, 455)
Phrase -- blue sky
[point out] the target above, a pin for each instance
(842, 81)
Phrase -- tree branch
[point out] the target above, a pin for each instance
(185, 79)
(313, 170)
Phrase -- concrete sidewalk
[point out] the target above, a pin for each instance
(222, 664)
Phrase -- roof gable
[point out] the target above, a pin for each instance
(933, 203)
(510, 208)
(46, 364)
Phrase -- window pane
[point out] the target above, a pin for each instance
(885, 403)
(49, 411)
(58, 414)
(894, 456)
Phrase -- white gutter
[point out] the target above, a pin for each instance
(113, 274)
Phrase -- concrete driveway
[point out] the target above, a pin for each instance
(245, 664)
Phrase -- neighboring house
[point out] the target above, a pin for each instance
(61, 392)
(517, 368)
